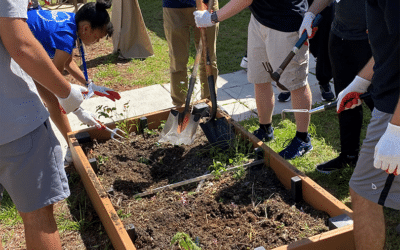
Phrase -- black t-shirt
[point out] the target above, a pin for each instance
(282, 15)
(383, 18)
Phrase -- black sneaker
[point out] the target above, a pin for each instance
(262, 135)
(284, 97)
(326, 93)
(338, 163)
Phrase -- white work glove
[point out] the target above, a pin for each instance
(102, 91)
(87, 118)
(387, 151)
(306, 25)
(349, 98)
(203, 18)
(74, 99)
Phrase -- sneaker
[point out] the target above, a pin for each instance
(284, 97)
(338, 163)
(296, 148)
(243, 64)
(68, 156)
(262, 135)
(326, 93)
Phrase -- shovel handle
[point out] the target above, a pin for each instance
(206, 57)
(277, 74)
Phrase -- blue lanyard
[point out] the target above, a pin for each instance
(83, 61)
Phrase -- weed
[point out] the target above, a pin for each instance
(149, 131)
(184, 241)
(239, 174)
(217, 169)
(102, 159)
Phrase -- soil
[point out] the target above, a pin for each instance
(239, 210)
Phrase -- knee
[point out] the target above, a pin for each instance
(37, 215)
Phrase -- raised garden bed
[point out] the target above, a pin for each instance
(234, 212)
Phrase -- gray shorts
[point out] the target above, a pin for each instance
(32, 170)
(269, 45)
(367, 181)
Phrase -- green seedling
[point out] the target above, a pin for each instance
(184, 241)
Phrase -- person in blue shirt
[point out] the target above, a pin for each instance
(58, 32)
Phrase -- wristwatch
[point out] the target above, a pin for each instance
(214, 17)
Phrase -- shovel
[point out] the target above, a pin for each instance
(180, 128)
(320, 108)
(217, 130)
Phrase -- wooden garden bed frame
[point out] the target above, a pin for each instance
(312, 193)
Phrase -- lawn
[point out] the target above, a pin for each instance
(76, 213)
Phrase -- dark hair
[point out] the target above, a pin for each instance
(96, 14)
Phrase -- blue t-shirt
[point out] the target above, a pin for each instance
(383, 18)
(53, 29)
(281, 15)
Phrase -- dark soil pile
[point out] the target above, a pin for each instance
(240, 210)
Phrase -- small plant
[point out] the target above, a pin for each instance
(102, 159)
(217, 169)
(239, 174)
(111, 113)
(184, 241)
(149, 131)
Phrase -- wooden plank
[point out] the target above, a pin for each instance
(338, 239)
(102, 204)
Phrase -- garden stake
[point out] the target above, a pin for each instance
(196, 179)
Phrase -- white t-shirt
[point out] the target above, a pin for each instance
(21, 109)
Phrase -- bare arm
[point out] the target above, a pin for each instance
(31, 56)
(368, 71)
(232, 8)
(63, 60)
(396, 116)
(319, 5)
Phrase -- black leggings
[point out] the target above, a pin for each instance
(348, 57)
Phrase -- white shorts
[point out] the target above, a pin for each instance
(269, 45)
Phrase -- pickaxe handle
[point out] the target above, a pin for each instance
(277, 74)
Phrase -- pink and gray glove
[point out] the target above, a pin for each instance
(349, 98)
(387, 151)
(203, 19)
(87, 118)
(74, 99)
(102, 91)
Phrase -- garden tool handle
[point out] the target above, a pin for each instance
(332, 105)
(277, 74)
(206, 57)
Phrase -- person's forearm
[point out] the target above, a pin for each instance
(232, 8)
(396, 116)
(319, 5)
(23, 47)
(76, 72)
(368, 71)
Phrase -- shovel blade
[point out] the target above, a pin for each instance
(219, 132)
(179, 133)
